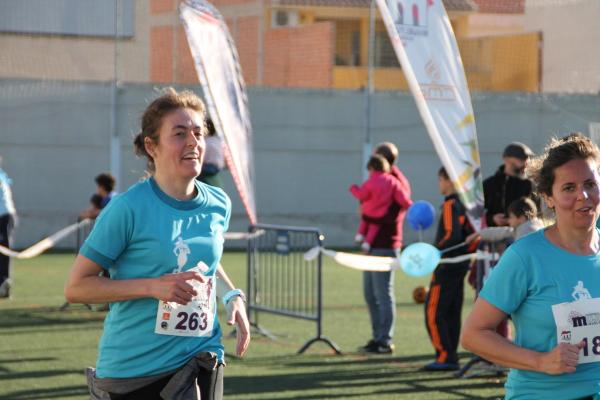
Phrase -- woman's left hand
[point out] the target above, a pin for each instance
(236, 315)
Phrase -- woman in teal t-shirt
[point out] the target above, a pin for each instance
(162, 242)
(559, 265)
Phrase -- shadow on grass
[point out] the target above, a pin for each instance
(319, 360)
(38, 374)
(362, 307)
(43, 317)
(20, 360)
(4, 370)
(351, 384)
(39, 394)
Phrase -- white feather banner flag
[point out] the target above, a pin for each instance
(216, 61)
(422, 37)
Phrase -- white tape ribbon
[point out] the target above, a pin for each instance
(383, 264)
(51, 240)
(44, 244)
(243, 235)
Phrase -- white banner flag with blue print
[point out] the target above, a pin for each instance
(424, 42)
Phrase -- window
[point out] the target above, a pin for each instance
(385, 56)
(347, 43)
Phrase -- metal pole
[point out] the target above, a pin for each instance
(115, 143)
(250, 274)
(320, 239)
(367, 145)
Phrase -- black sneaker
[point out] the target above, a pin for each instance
(438, 366)
(385, 348)
(374, 347)
(370, 347)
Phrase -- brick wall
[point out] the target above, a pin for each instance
(161, 54)
(299, 56)
(184, 64)
(161, 6)
(224, 3)
(501, 6)
(246, 41)
(291, 57)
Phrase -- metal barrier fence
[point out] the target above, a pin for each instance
(80, 235)
(281, 281)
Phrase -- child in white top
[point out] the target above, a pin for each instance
(522, 217)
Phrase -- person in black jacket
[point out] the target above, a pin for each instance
(507, 184)
(443, 304)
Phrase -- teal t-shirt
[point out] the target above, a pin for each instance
(144, 233)
(531, 276)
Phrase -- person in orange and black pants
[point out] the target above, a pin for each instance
(444, 301)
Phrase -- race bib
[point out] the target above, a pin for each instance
(193, 319)
(580, 320)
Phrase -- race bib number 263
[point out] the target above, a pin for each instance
(193, 319)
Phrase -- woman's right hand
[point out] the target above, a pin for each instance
(175, 288)
(562, 359)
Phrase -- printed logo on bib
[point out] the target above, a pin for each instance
(195, 318)
(579, 321)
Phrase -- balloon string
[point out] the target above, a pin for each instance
(456, 246)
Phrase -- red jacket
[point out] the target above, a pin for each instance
(390, 233)
(378, 193)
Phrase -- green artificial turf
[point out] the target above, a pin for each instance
(43, 350)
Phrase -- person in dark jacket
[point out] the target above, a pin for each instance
(507, 184)
(444, 301)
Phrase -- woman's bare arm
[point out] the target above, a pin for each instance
(479, 336)
(84, 285)
(236, 312)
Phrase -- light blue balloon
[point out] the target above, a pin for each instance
(419, 259)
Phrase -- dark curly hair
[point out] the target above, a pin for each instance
(106, 181)
(558, 152)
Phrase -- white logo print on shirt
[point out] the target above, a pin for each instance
(181, 250)
(580, 292)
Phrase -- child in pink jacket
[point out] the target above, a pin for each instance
(376, 195)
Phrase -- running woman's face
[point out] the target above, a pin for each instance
(575, 194)
(180, 149)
